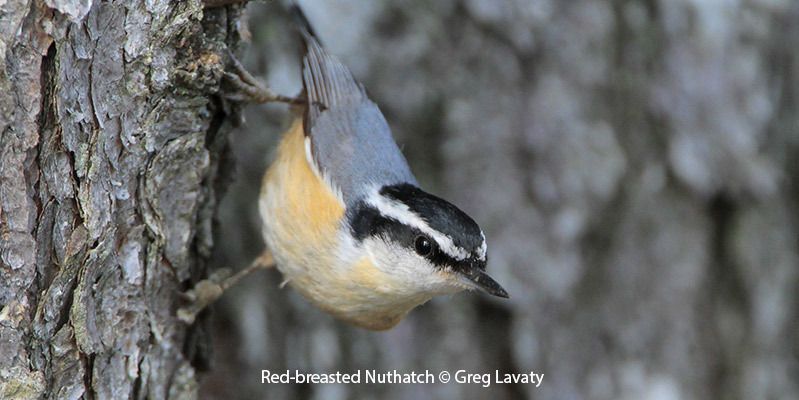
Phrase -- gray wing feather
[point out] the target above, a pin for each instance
(327, 81)
(353, 147)
(351, 142)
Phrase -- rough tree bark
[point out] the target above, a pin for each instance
(112, 151)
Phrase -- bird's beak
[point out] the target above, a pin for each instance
(475, 276)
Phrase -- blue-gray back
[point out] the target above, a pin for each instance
(351, 142)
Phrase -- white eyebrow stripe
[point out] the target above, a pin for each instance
(399, 211)
(483, 247)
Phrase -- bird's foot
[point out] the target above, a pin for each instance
(209, 290)
(248, 89)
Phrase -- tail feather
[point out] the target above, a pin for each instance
(302, 22)
(326, 81)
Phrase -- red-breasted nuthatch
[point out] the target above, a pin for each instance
(343, 215)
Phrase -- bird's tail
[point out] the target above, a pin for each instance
(303, 25)
(326, 81)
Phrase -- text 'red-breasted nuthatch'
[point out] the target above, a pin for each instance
(344, 217)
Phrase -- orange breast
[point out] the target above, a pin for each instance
(305, 201)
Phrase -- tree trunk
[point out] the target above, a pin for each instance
(112, 145)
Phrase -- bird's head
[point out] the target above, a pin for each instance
(422, 243)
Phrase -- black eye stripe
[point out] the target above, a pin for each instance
(438, 213)
(366, 221)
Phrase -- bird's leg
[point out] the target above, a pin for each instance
(209, 290)
(249, 89)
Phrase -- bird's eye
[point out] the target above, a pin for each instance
(424, 246)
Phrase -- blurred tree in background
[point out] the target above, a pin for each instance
(633, 163)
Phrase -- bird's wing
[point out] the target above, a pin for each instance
(350, 141)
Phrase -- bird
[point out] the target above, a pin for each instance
(343, 217)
